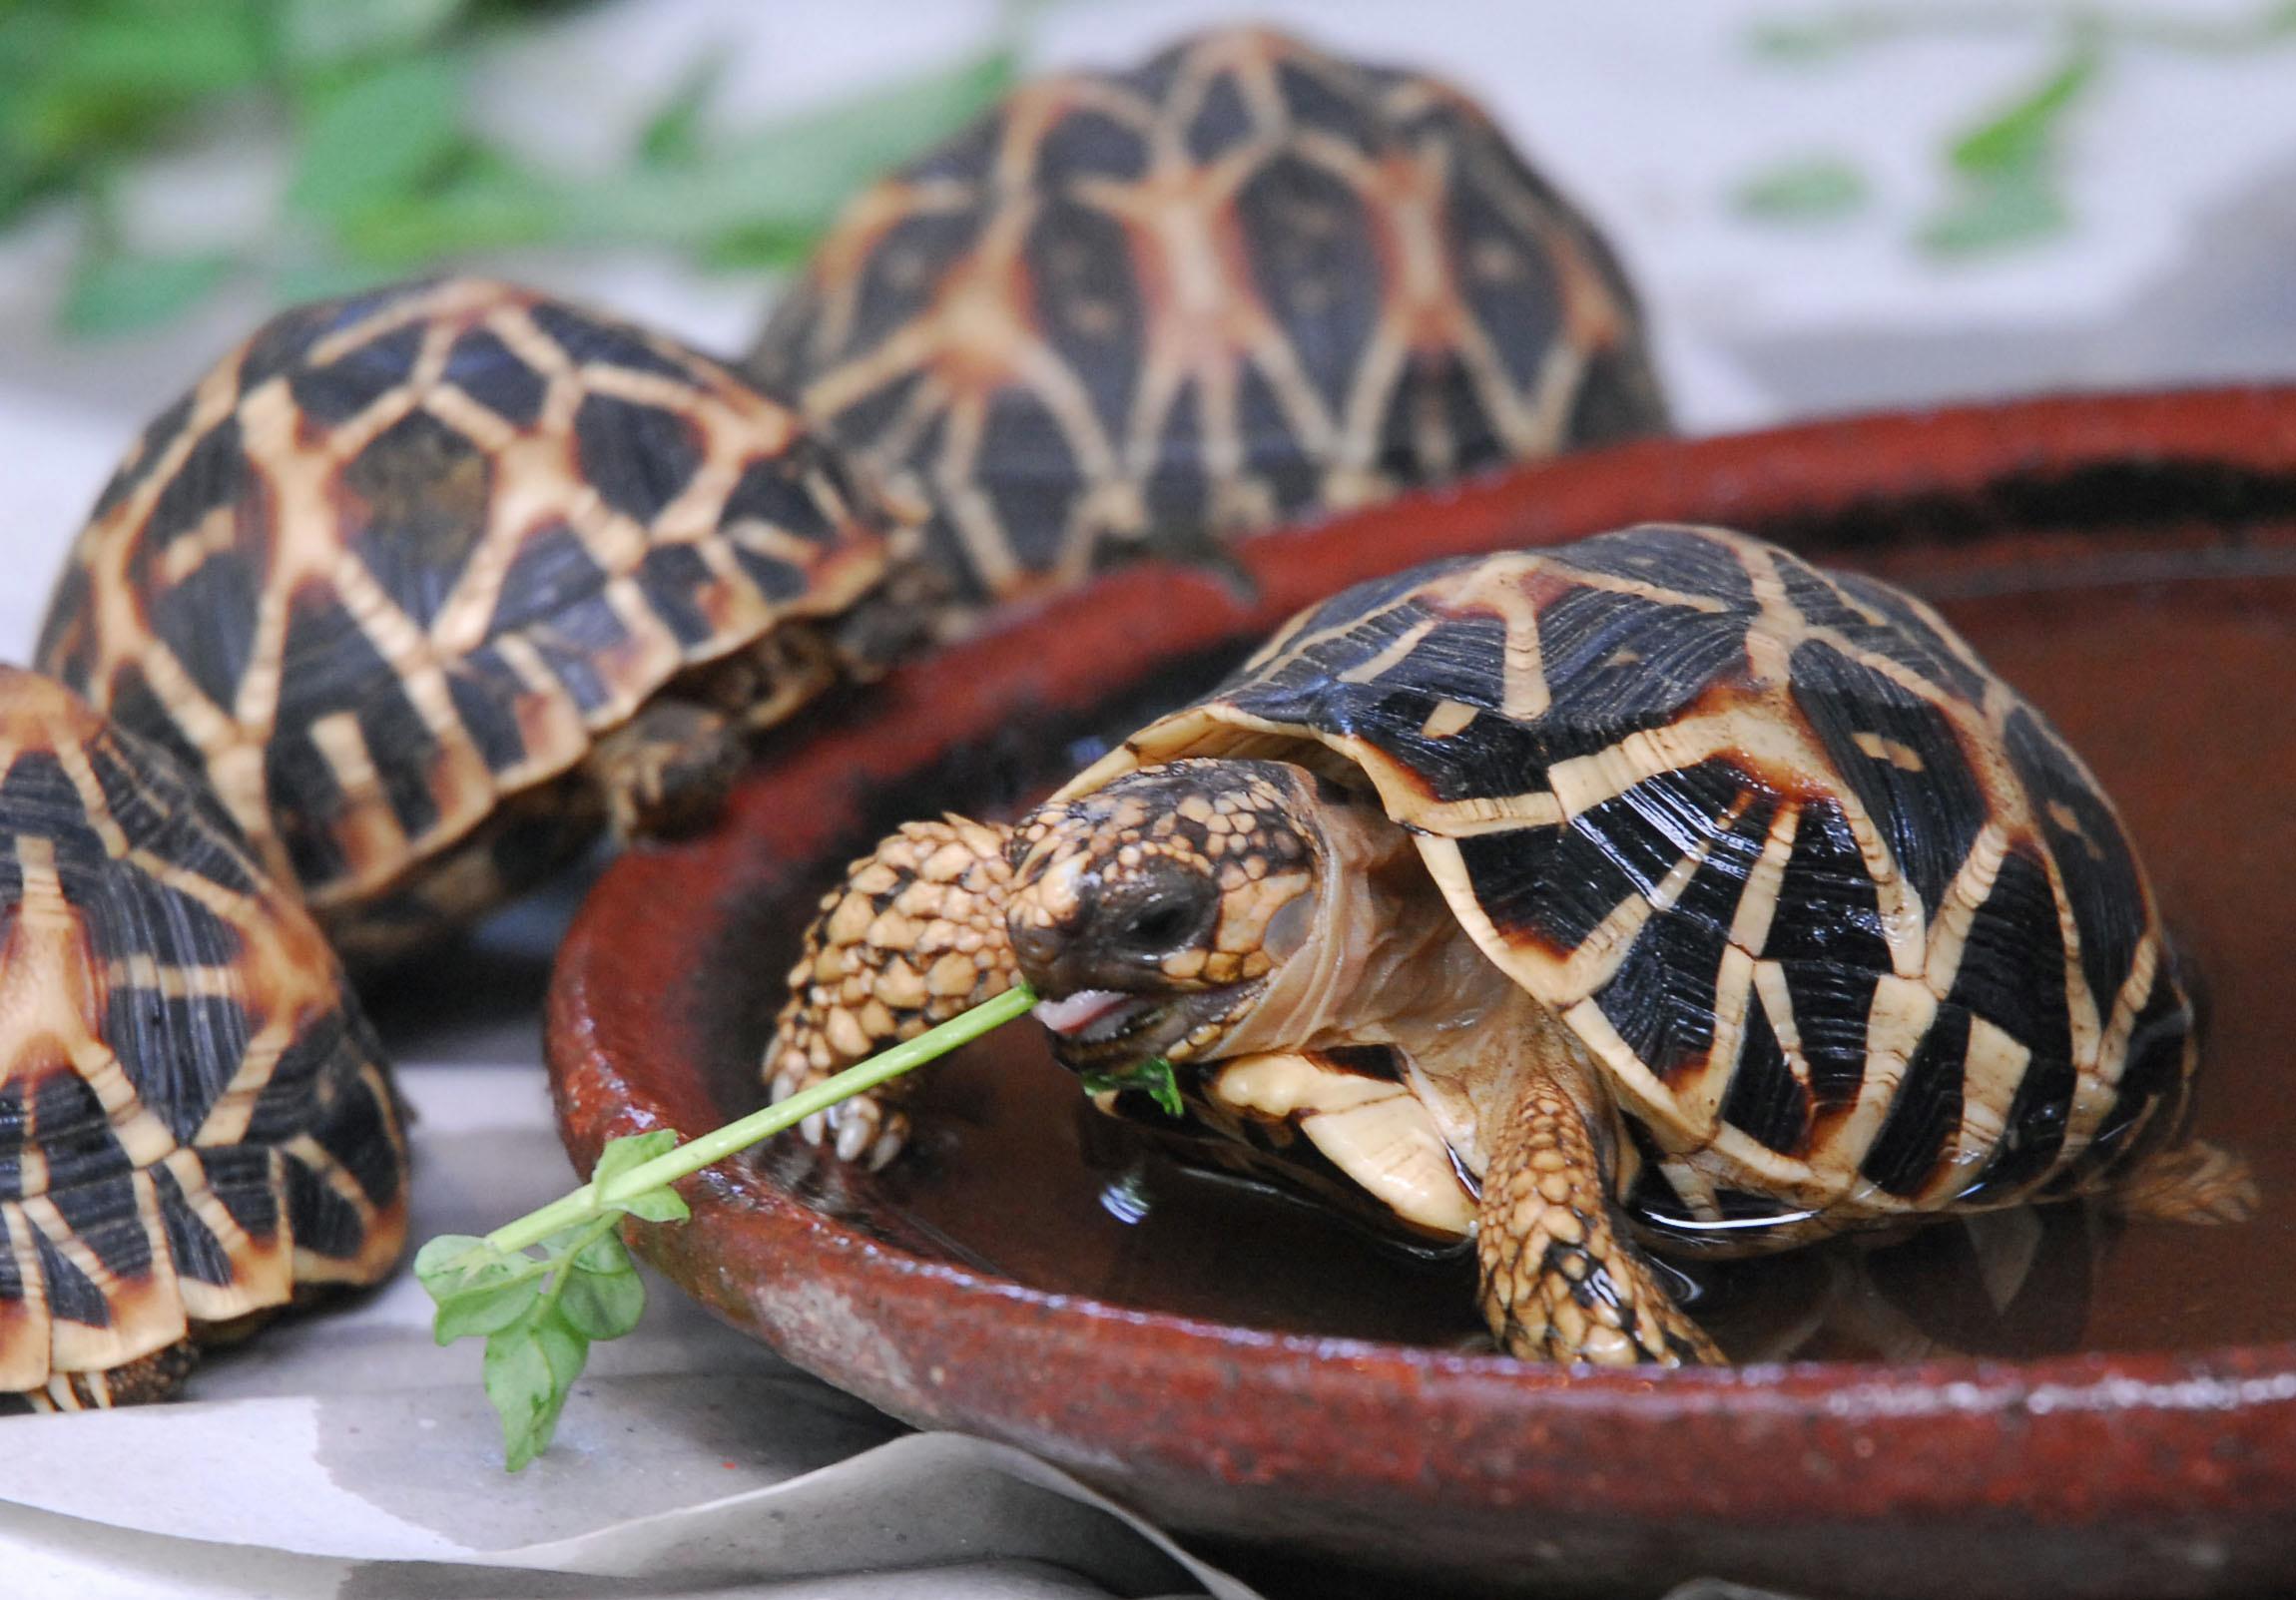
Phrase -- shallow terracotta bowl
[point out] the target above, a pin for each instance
(2130, 562)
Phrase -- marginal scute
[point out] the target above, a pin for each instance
(2093, 857)
(1855, 931)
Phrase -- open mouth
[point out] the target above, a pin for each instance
(1102, 1027)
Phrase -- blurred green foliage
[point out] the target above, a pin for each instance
(1812, 189)
(2003, 169)
(386, 173)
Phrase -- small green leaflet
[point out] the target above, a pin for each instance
(540, 1312)
(1153, 1077)
(121, 292)
(1813, 190)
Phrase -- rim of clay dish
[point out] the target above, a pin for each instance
(2153, 1438)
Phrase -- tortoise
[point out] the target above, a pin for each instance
(196, 1123)
(431, 581)
(1658, 890)
(1244, 284)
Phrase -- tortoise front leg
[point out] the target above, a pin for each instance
(1560, 1282)
(911, 938)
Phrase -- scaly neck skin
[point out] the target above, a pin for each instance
(1388, 963)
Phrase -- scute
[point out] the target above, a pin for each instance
(416, 480)
(181, 1065)
(1246, 263)
(1843, 921)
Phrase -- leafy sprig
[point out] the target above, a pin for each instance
(541, 1289)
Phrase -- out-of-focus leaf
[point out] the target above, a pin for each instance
(1815, 190)
(487, 203)
(1801, 43)
(377, 135)
(672, 135)
(322, 33)
(79, 84)
(325, 279)
(799, 172)
(2018, 134)
(2021, 207)
(126, 293)
(763, 248)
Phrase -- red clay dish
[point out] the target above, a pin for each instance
(1255, 1378)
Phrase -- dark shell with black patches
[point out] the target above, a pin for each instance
(1247, 283)
(400, 557)
(195, 1119)
(1851, 929)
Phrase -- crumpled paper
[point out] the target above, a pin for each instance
(344, 1455)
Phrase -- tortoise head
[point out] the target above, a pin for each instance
(1152, 912)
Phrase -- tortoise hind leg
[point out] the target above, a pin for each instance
(1560, 1280)
(2194, 1182)
(668, 770)
(157, 1376)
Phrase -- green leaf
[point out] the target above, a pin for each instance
(452, 1254)
(672, 134)
(655, 1206)
(479, 1288)
(524, 1392)
(324, 280)
(602, 1305)
(2013, 208)
(1813, 190)
(606, 1253)
(128, 293)
(1801, 43)
(322, 33)
(790, 178)
(1153, 1077)
(567, 1351)
(2019, 134)
(485, 203)
(763, 247)
(485, 1307)
(629, 1151)
(377, 135)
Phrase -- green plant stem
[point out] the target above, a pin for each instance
(689, 1158)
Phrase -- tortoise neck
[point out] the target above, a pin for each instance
(1386, 962)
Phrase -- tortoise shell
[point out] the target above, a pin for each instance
(1850, 930)
(195, 1120)
(401, 556)
(1245, 282)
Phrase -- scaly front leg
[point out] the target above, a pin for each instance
(1560, 1282)
(913, 936)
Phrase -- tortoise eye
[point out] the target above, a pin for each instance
(1159, 925)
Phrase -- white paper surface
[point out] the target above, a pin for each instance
(346, 1456)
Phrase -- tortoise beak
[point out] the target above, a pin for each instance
(1101, 1028)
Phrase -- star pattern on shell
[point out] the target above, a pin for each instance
(1246, 283)
(401, 556)
(1848, 925)
(194, 1117)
